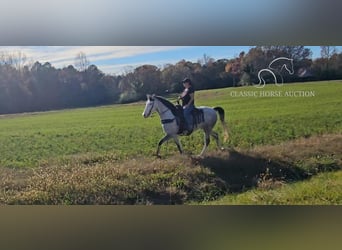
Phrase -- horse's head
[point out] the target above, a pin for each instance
(289, 66)
(150, 106)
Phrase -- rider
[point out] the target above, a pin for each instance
(188, 104)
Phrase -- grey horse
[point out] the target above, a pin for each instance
(170, 123)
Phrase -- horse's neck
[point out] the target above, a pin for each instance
(164, 112)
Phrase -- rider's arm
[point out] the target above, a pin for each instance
(183, 94)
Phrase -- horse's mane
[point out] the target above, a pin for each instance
(168, 104)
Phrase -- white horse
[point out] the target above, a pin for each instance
(170, 121)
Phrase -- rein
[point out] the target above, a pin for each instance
(164, 111)
(165, 121)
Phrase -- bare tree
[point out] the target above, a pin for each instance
(206, 60)
(328, 51)
(19, 60)
(81, 61)
(16, 59)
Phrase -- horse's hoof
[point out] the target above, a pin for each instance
(195, 160)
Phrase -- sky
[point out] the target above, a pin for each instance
(122, 59)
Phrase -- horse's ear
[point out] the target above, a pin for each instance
(150, 97)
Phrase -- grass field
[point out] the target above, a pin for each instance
(114, 136)
(323, 189)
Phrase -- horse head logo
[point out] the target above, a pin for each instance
(276, 67)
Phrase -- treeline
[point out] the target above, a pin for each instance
(38, 87)
(244, 69)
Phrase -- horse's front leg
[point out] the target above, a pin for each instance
(161, 142)
(179, 145)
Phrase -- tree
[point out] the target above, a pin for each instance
(260, 57)
(18, 60)
(235, 67)
(81, 61)
(328, 51)
(206, 60)
(329, 66)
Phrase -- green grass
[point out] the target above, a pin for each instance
(323, 189)
(144, 180)
(30, 140)
(270, 120)
(104, 155)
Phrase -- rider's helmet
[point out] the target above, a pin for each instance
(186, 80)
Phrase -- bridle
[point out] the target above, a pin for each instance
(152, 105)
(161, 112)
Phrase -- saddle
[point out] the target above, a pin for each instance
(197, 115)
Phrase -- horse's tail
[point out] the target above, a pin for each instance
(220, 111)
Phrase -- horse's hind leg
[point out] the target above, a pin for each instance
(206, 142)
(216, 137)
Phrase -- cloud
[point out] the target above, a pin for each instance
(61, 56)
(127, 67)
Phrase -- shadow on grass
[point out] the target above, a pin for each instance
(242, 171)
